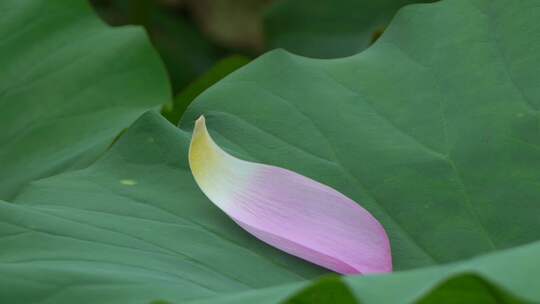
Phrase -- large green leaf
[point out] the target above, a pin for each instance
(435, 129)
(134, 228)
(328, 28)
(68, 85)
(131, 228)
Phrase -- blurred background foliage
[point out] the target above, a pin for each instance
(202, 41)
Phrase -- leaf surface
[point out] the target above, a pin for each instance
(134, 228)
(68, 85)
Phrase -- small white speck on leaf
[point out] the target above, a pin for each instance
(128, 182)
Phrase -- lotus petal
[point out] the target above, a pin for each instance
(289, 211)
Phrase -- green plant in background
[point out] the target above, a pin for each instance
(174, 110)
(328, 29)
(193, 35)
(198, 52)
(182, 46)
(434, 129)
